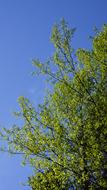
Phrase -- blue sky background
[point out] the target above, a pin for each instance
(25, 28)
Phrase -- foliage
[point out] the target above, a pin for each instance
(65, 140)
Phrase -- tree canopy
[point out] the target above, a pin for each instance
(64, 139)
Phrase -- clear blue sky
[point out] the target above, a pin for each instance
(25, 28)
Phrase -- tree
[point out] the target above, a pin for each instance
(65, 140)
